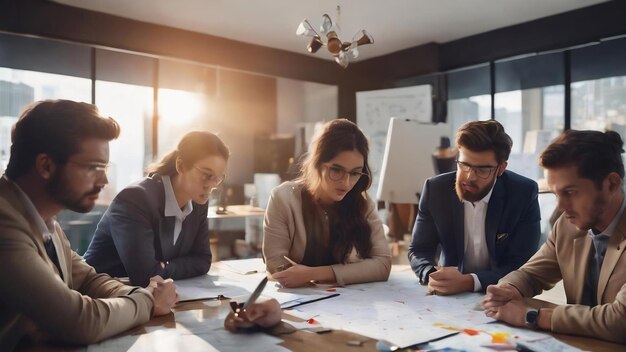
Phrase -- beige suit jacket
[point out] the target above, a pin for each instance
(83, 307)
(284, 235)
(565, 255)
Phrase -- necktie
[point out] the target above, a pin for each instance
(52, 254)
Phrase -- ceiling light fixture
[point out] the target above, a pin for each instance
(328, 37)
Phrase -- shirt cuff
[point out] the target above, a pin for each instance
(477, 285)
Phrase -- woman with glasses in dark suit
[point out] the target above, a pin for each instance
(159, 226)
(323, 227)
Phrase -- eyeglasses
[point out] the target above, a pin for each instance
(338, 173)
(92, 168)
(480, 171)
(206, 177)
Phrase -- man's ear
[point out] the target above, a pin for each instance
(502, 167)
(45, 166)
(615, 181)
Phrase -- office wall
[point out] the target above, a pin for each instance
(300, 101)
(246, 107)
(56, 21)
(568, 29)
(41, 18)
(290, 105)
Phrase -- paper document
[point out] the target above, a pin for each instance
(293, 297)
(205, 287)
(405, 317)
(306, 300)
(244, 266)
(212, 330)
(160, 340)
(548, 344)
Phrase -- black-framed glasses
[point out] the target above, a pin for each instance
(480, 171)
(337, 173)
(206, 177)
(92, 169)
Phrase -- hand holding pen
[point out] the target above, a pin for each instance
(251, 314)
(264, 314)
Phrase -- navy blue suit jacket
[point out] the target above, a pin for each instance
(134, 237)
(512, 226)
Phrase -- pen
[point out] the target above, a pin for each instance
(256, 293)
(289, 260)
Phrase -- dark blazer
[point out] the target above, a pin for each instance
(511, 226)
(134, 237)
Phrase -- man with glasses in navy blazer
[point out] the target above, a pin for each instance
(484, 218)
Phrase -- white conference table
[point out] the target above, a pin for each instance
(167, 332)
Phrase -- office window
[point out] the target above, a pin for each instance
(186, 101)
(19, 88)
(180, 112)
(469, 97)
(529, 103)
(521, 111)
(131, 106)
(600, 105)
(124, 91)
(461, 111)
(35, 69)
(599, 87)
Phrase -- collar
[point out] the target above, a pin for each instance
(611, 228)
(171, 205)
(46, 229)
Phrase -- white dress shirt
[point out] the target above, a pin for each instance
(476, 254)
(172, 208)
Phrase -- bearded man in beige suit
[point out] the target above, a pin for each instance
(586, 248)
(59, 154)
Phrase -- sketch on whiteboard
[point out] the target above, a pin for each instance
(375, 108)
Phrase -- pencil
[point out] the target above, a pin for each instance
(289, 260)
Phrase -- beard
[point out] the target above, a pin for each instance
(465, 195)
(597, 209)
(59, 189)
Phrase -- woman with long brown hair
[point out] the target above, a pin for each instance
(158, 226)
(322, 227)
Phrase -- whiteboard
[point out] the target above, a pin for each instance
(374, 110)
(407, 161)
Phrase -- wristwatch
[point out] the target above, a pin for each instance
(532, 318)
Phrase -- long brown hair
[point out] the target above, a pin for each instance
(192, 147)
(351, 228)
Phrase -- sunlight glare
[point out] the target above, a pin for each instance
(179, 108)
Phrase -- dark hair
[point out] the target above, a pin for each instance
(595, 154)
(192, 147)
(352, 229)
(55, 128)
(480, 136)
